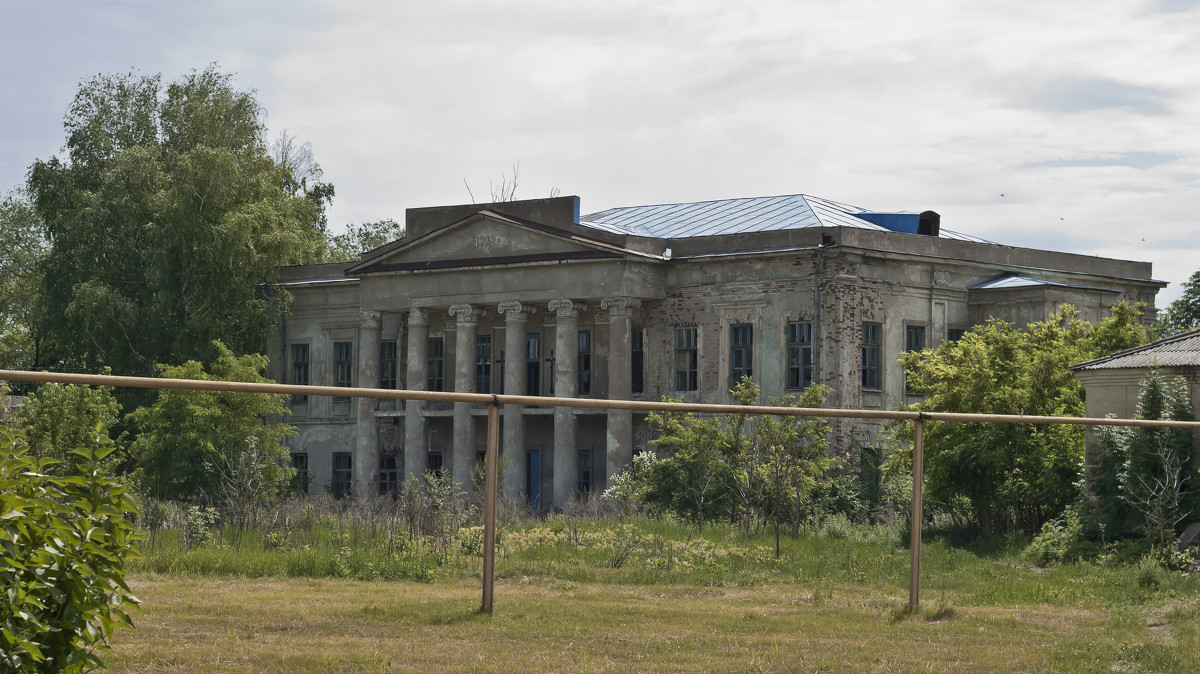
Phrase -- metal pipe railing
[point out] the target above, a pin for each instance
(493, 433)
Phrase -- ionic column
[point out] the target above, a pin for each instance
(467, 319)
(620, 422)
(566, 378)
(366, 455)
(513, 442)
(414, 421)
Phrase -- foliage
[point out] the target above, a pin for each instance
(22, 248)
(165, 217)
(63, 548)
(358, 239)
(1184, 313)
(1015, 476)
(749, 469)
(1146, 478)
(59, 419)
(216, 444)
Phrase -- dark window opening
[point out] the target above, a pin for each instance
(914, 340)
(387, 364)
(433, 461)
(871, 333)
(687, 376)
(435, 377)
(741, 343)
(584, 363)
(343, 475)
(343, 367)
(533, 364)
(389, 474)
(800, 355)
(483, 363)
(300, 369)
(583, 465)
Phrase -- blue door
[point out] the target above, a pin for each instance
(533, 482)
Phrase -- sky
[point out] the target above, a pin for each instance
(1071, 125)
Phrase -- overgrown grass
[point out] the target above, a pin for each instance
(624, 584)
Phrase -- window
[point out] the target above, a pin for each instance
(585, 362)
(389, 475)
(870, 354)
(533, 363)
(686, 360)
(301, 479)
(343, 475)
(300, 369)
(954, 334)
(387, 364)
(343, 363)
(800, 355)
(483, 363)
(914, 340)
(637, 360)
(433, 461)
(435, 375)
(583, 470)
(741, 356)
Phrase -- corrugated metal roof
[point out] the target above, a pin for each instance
(1182, 350)
(1015, 281)
(736, 216)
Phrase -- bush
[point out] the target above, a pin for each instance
(62, 561)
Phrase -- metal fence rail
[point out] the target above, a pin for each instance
(493, 433)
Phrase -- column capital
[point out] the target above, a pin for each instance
(515, 311)
(465, 313)
(566, 308)
(620, 306)
(417, 318)
(368, 320)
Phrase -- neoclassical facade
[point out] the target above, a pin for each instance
(530, 297)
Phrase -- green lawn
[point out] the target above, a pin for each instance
(646, 596)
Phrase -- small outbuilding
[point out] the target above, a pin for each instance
(1112, 383)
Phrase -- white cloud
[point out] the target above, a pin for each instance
(934, 104)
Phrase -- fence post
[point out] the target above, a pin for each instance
(491, 468)
(914, 564)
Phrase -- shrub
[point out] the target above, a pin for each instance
(62, 560)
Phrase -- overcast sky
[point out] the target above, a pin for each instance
(1070, 125)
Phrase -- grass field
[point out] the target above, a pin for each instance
(648, 596)
(325, 625)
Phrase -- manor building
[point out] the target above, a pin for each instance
(681, 300)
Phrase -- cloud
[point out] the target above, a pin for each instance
(1090, 95)
(1137, 160)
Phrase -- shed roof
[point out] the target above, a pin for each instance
(1182, 350)
(738, 216)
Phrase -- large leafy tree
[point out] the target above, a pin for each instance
(358, 239)
(218, 445)
(22, 248)
(1184, 313)
(1015, 476)
(167, 220)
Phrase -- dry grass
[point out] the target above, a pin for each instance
(206, 624)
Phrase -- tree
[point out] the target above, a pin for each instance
(167, 222)
(22, 248)
(60, 419)
(1184, 313)
(62, 561)
(218, 445)
(358, 239)
(1015, 476)
(1146, 476)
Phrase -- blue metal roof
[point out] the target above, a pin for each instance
(1014, 281)
(737, 216)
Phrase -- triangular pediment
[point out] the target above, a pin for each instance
(486, 238)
